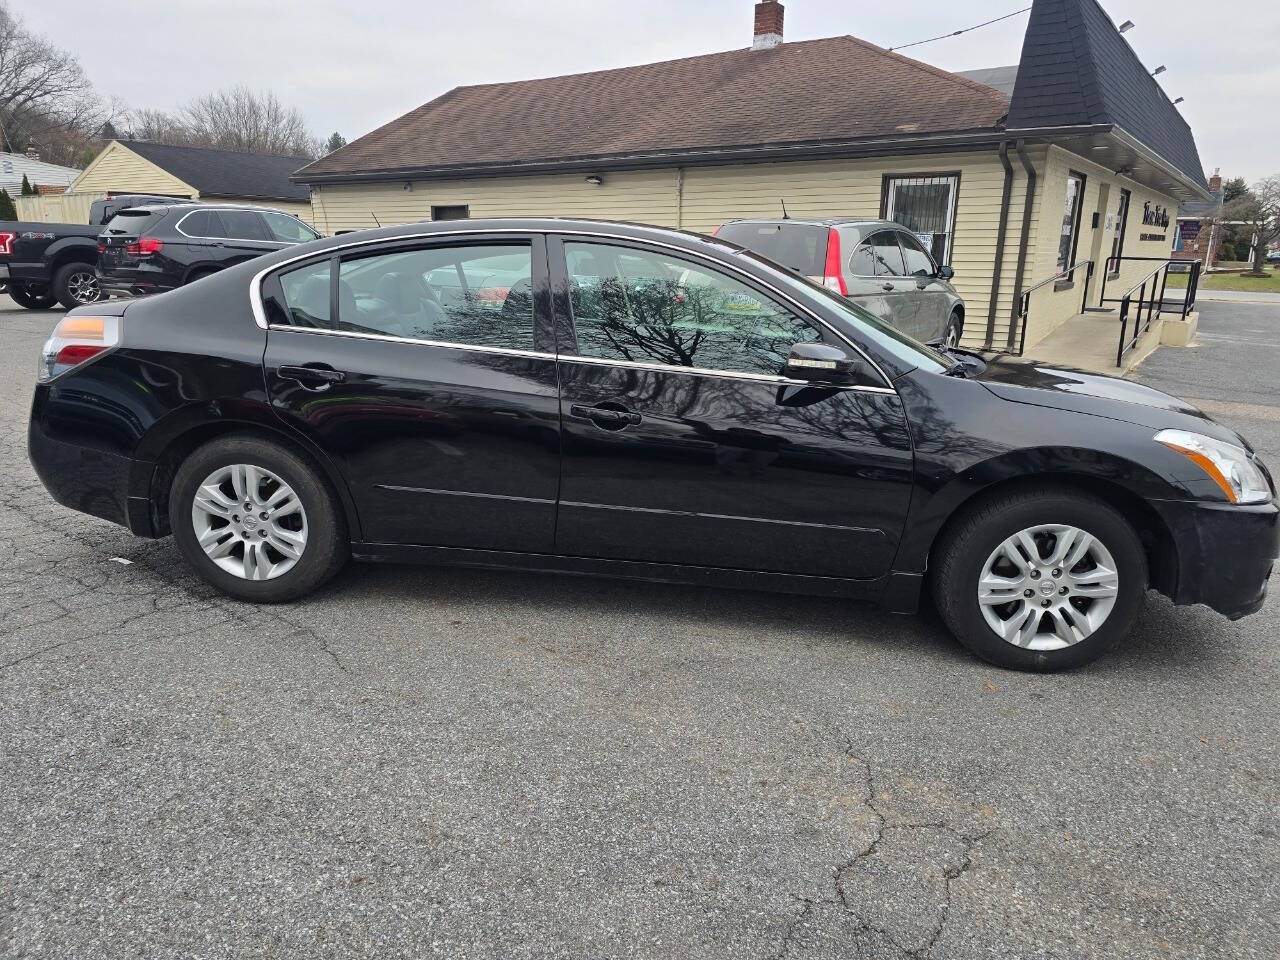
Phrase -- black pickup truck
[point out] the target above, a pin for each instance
(48, 263)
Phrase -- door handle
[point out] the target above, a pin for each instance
(605, 417)
(315, 378)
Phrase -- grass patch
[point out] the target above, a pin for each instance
(1232, 281)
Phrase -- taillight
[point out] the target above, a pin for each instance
(144, 246)
(75, 340)
(102, 248)
(832, 278)
(6, 243)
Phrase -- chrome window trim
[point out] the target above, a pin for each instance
(725, 374)
(191, 236)
(388, 338)
(260, 316)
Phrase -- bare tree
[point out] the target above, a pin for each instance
(46, 99)
(1258, 212)
(240, 119)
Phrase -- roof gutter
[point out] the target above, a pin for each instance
(993, 303)
(877, 146)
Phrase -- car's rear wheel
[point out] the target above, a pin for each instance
(1040, 580)
(76, 284)
(33, 298)
(955, 330)
(256, 520)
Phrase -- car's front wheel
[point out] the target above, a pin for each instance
(76, 284)
(256, 520)
(1040, 580)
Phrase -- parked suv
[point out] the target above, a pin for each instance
(879, 265)
(153, 248)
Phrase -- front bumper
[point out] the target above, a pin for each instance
(1226, 553)
(92, 481)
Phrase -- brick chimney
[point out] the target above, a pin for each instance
(1215, 182)
(768, 30)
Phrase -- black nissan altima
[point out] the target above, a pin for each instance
(602, 398)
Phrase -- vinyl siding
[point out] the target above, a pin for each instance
(701, 198)
(1050, 308)
(117, 169)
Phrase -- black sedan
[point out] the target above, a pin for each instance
(594, 398)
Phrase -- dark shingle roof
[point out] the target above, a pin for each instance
(816, 91)
(225, 173)
(1077, 69)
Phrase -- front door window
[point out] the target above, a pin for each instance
(645, 307)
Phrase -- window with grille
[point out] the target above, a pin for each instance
(926, 206)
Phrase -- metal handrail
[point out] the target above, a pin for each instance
(1024, 296)
(1153, 304)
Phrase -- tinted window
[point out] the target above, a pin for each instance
(919, 263)
(474, 295)
(646, 307)
(287, 229)
(133, 223)
(243, 225)
(800, 246)
(202, 223)
(863, 262)
(306, 296)
(886, 254)
(462, 212)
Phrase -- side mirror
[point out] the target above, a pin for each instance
(822, 363)
(945, 273)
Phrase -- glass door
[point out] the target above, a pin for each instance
(1117, 244)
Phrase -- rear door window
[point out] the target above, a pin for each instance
(202, 223)
(133, 223)
(887, 255)
(306, 295)
(800, 246)
(244, 225)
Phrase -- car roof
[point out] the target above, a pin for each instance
(187, 207)
(822, 221)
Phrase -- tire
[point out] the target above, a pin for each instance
(23, 296)
(1075, 629)
(954, 330)
(75, 284)
(320, 523)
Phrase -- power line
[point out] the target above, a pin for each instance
(956, 33)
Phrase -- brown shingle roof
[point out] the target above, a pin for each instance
(836, 89)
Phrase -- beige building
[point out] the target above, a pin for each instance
(211, 176)
(1013, 176)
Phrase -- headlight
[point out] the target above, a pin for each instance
(1230, 466)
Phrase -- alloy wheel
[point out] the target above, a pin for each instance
(83, 287)
(1048, 587)
(249, 522)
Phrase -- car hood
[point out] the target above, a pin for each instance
(1061, 388)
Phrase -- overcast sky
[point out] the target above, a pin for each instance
(351, 65)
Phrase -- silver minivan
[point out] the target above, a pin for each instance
(879, 265)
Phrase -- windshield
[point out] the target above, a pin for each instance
(908, 351)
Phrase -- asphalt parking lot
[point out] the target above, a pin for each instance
(423, 762)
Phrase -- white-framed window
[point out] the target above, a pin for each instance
(925, 205)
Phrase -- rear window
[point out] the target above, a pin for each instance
(800, 246)
(133, 223)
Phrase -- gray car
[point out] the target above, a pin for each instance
(879, 265)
